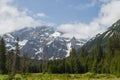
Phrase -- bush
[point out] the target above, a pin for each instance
(10, 77)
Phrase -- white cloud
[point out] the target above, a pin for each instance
(41, 15)
(84, 6)
(11, 18)
(5, 1)
(106, 1)
(80, 30)
(109, 13)
(89, 4)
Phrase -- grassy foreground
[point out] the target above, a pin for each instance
(38, 76)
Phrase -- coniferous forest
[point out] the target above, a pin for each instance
(99, 60)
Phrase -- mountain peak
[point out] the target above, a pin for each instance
(115, 26)
(73, 38)
(41, 41)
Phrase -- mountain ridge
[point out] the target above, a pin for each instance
(103, 38)
(41, 41)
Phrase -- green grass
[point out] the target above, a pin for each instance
(39, 76)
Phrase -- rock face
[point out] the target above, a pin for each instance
(42, 42)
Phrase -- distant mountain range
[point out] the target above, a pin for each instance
(46, 43)
(42, 42)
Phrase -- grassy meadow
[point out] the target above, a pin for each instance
(39, 76)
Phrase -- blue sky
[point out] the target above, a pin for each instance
(62, 11)
(79, 18)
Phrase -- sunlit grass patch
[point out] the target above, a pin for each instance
(40, 76)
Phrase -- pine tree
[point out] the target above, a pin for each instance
(2, 56)
(73, 53)
(83, 60)
(16, 62)
(98, 55)
(72, 60)
(24, 67)
(9, 60)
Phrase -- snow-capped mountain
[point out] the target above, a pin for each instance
(104, 37)
(42, 43)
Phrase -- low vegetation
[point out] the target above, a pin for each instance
(39, 76)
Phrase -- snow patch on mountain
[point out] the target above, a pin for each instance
(12, 48)
(111, 35)
(55, 34)
(40, 51)
(52, 58)
(68, 49)
(59, 49)
(22, 43)
(49, 42)
(10, 36)
(8, 45)
(68, 40)
(107, 34)
(79, 44)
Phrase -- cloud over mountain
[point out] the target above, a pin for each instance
(108, 14)
(11, 18)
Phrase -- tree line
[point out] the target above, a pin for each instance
(99, 60)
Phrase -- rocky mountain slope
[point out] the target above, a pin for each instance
(42, 42)
(104, 37)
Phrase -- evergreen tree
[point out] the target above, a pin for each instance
(16, 62)
(72, 60)
(2, 56)
(73, 53)
(83, 60)
(98, 55)
(24, 66)
(9, 60)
